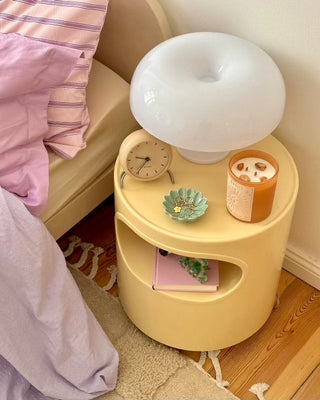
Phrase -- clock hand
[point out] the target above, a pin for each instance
(143, 164)
(142, 158)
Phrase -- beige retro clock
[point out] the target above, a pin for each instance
(144, 157)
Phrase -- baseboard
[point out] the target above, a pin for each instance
(302, 267)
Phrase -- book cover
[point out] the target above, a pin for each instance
(170, 275)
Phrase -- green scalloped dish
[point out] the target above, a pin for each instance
(185, 205)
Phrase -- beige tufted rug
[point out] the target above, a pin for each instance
(148, 369)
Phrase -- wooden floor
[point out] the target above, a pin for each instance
(285, 352)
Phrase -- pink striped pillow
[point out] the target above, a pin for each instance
(70, 23)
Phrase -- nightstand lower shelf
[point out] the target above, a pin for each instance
(190, 321)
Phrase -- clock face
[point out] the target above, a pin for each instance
(148, 160)
(144, 157)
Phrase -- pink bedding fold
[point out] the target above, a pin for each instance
(28, 70)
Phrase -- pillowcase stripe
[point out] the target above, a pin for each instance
(68, 23)
(83, 47)
(48, 21)
(76, 4)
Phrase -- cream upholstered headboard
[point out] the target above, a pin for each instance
(131, 29)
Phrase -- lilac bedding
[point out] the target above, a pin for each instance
(28, 70)
(51, 345)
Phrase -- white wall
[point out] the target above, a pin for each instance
(289, 30)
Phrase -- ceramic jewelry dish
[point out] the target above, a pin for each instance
(185, 205)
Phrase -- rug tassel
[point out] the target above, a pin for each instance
(277, 302)
(113, 272)
(258, 389)
(74, 242)
(202, 359)
(95, 261)
(213, 355)
(86, 247)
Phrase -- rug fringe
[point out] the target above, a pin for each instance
(258, 389)
(113, 270)
(73, 242)
(76, 241)
(277, 302)
(95, 261)
(213, 356)
(202, 359)
(200, 367)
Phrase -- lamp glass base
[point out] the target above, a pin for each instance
(202, 157)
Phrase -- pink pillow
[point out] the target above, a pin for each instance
(69, 23)
(28, 69)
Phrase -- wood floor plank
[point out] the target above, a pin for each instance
(264, 356)
(285, 279)
(311, 388)
(297, 370)
(195, 355)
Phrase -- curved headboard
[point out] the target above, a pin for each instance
(131, 29)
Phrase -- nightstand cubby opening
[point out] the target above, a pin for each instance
(138, 255)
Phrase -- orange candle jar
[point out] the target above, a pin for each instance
(252, 180)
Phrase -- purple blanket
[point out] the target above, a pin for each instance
(51, 345)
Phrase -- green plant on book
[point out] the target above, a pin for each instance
(197, 267)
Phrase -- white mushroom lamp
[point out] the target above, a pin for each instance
(207, 93)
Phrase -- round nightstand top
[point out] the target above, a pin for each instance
(144, 200)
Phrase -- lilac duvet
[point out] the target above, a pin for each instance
(51, 345)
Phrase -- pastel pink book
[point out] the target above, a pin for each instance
(170, 275)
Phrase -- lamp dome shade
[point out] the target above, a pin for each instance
(208, 91)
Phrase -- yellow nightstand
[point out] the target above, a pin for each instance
(250, 255)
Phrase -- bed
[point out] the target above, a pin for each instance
(56, 165)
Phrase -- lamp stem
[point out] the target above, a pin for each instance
(202, 157)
